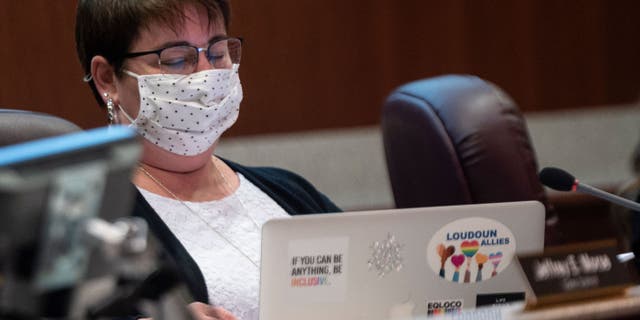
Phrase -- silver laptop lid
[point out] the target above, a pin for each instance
(396, 264)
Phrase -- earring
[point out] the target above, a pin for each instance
(110, 113)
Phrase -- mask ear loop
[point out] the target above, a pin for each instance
(110, 109)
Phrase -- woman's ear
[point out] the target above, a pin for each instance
(104, 77)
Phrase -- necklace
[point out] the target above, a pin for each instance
(194, 212)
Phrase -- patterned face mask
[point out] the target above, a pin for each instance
(187, 114)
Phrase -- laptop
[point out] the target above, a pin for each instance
(399, 263)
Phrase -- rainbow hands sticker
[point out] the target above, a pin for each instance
(480, 260)
(444, 254)
(495, 261)
(469, 249)
(457, 262)
(477, 241)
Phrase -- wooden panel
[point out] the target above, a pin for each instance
(622, 48)
(327, 64)
(569, 51)
(40, 70)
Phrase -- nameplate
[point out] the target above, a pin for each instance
(574, 272)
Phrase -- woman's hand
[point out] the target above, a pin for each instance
(202, 311)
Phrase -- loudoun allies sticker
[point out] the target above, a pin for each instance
(471, 250)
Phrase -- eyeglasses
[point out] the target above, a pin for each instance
(183, 59)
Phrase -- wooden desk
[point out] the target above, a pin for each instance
(621, 307)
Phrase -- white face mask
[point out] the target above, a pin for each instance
(186, 114)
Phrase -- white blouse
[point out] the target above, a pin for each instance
(224, 240)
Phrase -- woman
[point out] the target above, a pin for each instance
(169, 69)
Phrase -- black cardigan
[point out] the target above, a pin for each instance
(292, 192)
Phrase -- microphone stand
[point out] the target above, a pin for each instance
(585, 188)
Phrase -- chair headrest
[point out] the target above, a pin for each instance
(21, 125)
(457, 139)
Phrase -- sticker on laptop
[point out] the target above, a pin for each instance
(385, 256)
(471, 250)
(442, 307)
(318, 268)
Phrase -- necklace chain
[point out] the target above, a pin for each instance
(228, 187)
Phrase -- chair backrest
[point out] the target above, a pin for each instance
(20, 126)
(457, 139)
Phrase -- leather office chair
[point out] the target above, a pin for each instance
(457, 139)
(20, 125)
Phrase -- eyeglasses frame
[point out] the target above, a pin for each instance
(206, 50)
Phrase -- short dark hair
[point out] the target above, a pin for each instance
(109, 27)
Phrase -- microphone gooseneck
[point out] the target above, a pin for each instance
(561, 180)
(557, 179)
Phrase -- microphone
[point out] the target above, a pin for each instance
(561, 180)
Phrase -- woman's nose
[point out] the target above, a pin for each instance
(203, 62)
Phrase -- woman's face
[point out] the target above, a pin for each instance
(196, 31)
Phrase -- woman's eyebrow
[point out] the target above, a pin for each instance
(173, 43)
(185, 43)
(217, 37)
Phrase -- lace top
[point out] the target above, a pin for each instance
(221, 240)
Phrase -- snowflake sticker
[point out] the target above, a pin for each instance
(385, 256)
